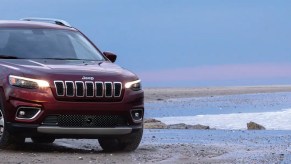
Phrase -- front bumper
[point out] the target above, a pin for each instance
(33, 130)
(85, 131)
(46, 102)
(48, 105)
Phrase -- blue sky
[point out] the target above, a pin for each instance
(181, 42)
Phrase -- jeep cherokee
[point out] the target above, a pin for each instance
(55, 83)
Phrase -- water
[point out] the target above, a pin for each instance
(247, 103)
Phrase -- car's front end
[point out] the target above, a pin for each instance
(47, 96)
(71, 107)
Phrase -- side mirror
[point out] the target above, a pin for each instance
(111, 56)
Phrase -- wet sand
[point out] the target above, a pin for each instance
(157, 94)
(165, 146)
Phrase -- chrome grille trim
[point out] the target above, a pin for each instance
(76, 82)
(96, 89)
(88, 89)
(58, 81)
(106, 89)
(114, 89)
(73, 89)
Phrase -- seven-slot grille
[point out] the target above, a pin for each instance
(88, 89)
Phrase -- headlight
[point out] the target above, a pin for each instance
(134, 85)
(24, 82)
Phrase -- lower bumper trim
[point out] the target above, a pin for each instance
(89, 131)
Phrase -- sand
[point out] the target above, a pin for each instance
(157, 94)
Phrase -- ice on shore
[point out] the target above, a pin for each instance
(277, 120)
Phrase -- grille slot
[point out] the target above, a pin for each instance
(108, 89)
(99, 89)
(79, 89)
(117, 89)
(88, 89)
(86, 120)
(60, 88)
(69, 88)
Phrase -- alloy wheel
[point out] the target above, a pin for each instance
(2, 124)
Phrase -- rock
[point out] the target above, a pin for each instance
(198, 126)
(254, 126)
(150, 120)
(152, 123)
(177, 126)
(185, 126)
(155, 125)
(80, 158)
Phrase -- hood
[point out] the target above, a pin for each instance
(49, 67)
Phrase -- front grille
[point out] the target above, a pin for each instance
(79, 89)
(86, 120)
(108, 89)
(51, 120)
(69, 88)
(60, 88)
(99, 89)
(88, 89)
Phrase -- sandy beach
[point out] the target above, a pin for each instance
(157, 94)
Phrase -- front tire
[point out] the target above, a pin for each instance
(6, 138)
(125, 143)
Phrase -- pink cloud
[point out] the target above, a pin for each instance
(220, 72)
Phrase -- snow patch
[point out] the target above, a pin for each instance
(279, 120)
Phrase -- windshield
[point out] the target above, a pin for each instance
(46, 44)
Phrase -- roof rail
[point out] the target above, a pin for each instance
(49, 20)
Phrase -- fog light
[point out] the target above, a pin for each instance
(21, 113)
(137, 115)
(27, 113)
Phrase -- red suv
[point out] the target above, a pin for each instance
(55, 83)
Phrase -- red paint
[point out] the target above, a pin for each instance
(65, 70)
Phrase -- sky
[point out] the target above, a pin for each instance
(181, 43)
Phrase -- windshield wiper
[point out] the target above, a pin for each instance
(8, 57)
